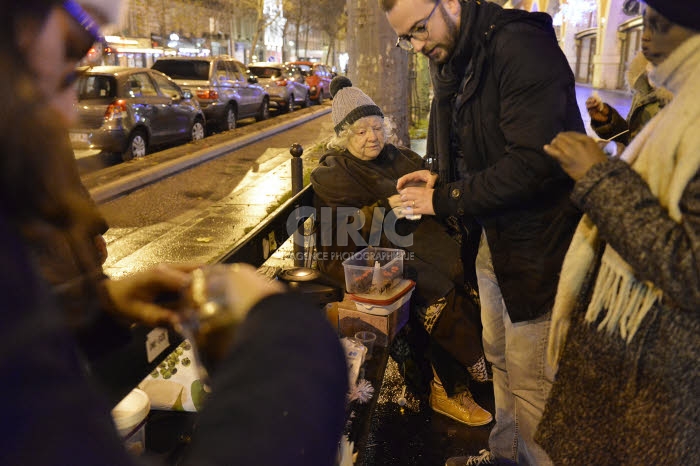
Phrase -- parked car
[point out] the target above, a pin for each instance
(222, 86)
(129, 110)
(285, 84)
(318, 77)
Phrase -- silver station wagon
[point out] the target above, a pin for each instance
(131, 110)
(222, 86)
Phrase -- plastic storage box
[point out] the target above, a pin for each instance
(373, 271)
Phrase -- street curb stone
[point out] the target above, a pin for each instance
(113, 182)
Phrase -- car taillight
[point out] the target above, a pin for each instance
(115, 110)
(281, 82)
(207, 94)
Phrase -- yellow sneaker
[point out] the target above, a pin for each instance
(460, 407)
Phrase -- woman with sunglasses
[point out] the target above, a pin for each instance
(59, 221)
(54, 413)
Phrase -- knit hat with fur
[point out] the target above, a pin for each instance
(682, 12)
(350, 104)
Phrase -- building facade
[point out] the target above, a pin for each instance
(155, 28)
(599, 37)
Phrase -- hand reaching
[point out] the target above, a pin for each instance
(416, 192)
(575, 152)
(134, 297)
(597, 109)
(421, 177)
(221, 297)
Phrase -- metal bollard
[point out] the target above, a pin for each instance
(297, 185)
(297, 168)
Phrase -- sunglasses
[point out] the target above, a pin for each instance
(84, 35)
(81, 38)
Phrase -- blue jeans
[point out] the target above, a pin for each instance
(521, 376)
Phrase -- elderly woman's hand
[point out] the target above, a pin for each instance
(394, 201)
(575, 152)
(135, 297)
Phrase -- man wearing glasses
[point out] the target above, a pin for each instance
(503, 89)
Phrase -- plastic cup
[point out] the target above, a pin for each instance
(367, 339)
(408, 211)
(412, 216)
(130, 418)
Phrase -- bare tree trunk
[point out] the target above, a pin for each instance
(376, 66)
(330, 54)
(285, 58)
(259, 27)
(163, 32)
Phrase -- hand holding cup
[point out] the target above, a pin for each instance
(219, 299)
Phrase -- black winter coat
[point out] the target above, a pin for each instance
(506, 92)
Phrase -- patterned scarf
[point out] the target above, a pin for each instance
(663, 157)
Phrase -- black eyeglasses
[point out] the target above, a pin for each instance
(79, 44)
(418, 32)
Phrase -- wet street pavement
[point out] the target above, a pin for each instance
(415, 435)
(197, 214)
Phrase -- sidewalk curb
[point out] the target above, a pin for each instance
(133, 181)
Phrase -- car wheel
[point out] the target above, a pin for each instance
(230, 118)
(289, 106)
(264, 112)
(197, 130)
(319, 101)
(307, 101)
(137, 146)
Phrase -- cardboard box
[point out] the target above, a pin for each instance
(350, 317)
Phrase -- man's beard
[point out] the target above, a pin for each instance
(451, 37)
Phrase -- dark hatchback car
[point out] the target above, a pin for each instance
(130, 110)
(222, 85)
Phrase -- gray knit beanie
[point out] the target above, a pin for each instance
(350, 104)
(682, 12)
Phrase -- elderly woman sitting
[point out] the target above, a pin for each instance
(359, 172)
